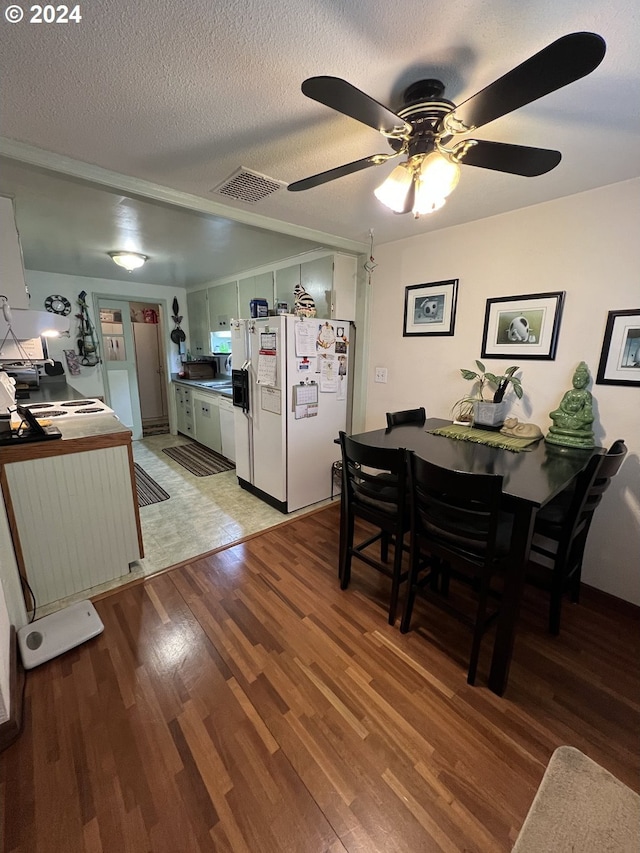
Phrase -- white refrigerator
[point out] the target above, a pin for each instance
(296, 375)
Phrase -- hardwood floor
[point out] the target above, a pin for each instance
(242, 702)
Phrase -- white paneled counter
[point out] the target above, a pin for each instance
(72, 507)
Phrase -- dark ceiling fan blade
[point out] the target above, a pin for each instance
(339, 172)
(503, 157)
(569, 58)
(342, 96)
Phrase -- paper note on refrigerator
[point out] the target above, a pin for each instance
(270, 400)
(328, 373)
(305, 334)
(267, 369)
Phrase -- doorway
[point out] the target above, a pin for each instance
(152, 386)
(133, 363)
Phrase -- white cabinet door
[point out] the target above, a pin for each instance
(12, 283)
(207, 421)
(184, 411)
(198, 308)
(255, 287)
(317, 279)
(223, 306)
(227, 429)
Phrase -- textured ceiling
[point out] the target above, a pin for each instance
(182, 94)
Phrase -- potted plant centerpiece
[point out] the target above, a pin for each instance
(487, 413)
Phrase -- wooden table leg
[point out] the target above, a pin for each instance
(511, 596)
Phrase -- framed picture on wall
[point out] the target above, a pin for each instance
(620, 357)
(430, 309)
(525, 327)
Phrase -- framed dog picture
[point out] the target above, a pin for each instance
(522, 326)
(430, 309)
(620, 356)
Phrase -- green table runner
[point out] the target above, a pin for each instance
(485, 436)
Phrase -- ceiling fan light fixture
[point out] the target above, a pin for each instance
(129, 260)
(435, 180)
(393, 191)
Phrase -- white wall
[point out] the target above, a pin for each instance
(43, 284)
(586, 245)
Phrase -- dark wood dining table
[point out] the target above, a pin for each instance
(530, 479)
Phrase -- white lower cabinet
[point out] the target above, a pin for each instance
(184, 410)
(207, 417)
(227, 429)
(207, 420)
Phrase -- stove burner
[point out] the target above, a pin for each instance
(40, 405)
(79, 403)
(90, 410)
(53, 413)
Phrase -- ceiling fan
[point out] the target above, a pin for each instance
(426, 126)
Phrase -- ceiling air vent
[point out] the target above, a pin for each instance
(248, 186)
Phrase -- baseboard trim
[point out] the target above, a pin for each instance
(595, 595)
(11, 728)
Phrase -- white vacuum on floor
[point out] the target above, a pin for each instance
(58, 632)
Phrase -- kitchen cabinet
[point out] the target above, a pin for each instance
(255, 287)
(184, 411)
(207, 420)
(198, 308)
(227, 429)
(12, 281)
(330, 280)
(223, 306)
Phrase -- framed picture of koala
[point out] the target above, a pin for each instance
(430, 309)
(522, 326)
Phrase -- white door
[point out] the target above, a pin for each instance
(151, 384)
(119, 363)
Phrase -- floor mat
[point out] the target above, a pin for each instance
(199, 460)
(149, 492)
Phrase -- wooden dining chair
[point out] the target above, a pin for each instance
(374, 490)
(407, 416)
(456, 522)
(561, 531)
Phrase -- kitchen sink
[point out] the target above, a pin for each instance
(216, 385)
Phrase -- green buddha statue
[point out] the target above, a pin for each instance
(573, 418)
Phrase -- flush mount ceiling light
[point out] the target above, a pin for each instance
(129, 260)
(427, 127)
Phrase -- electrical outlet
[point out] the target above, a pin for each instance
(381, 374)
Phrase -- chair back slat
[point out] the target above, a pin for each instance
(406, 416)
(454, 510)
(455, 527)
(609, 466)
(565, 524)
(374, 489)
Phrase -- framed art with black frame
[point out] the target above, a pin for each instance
(430, 309)
(523, 327)
(620, 357)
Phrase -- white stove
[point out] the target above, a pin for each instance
(69, 409)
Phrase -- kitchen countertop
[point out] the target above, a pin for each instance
(90, 432)
(52, 390)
